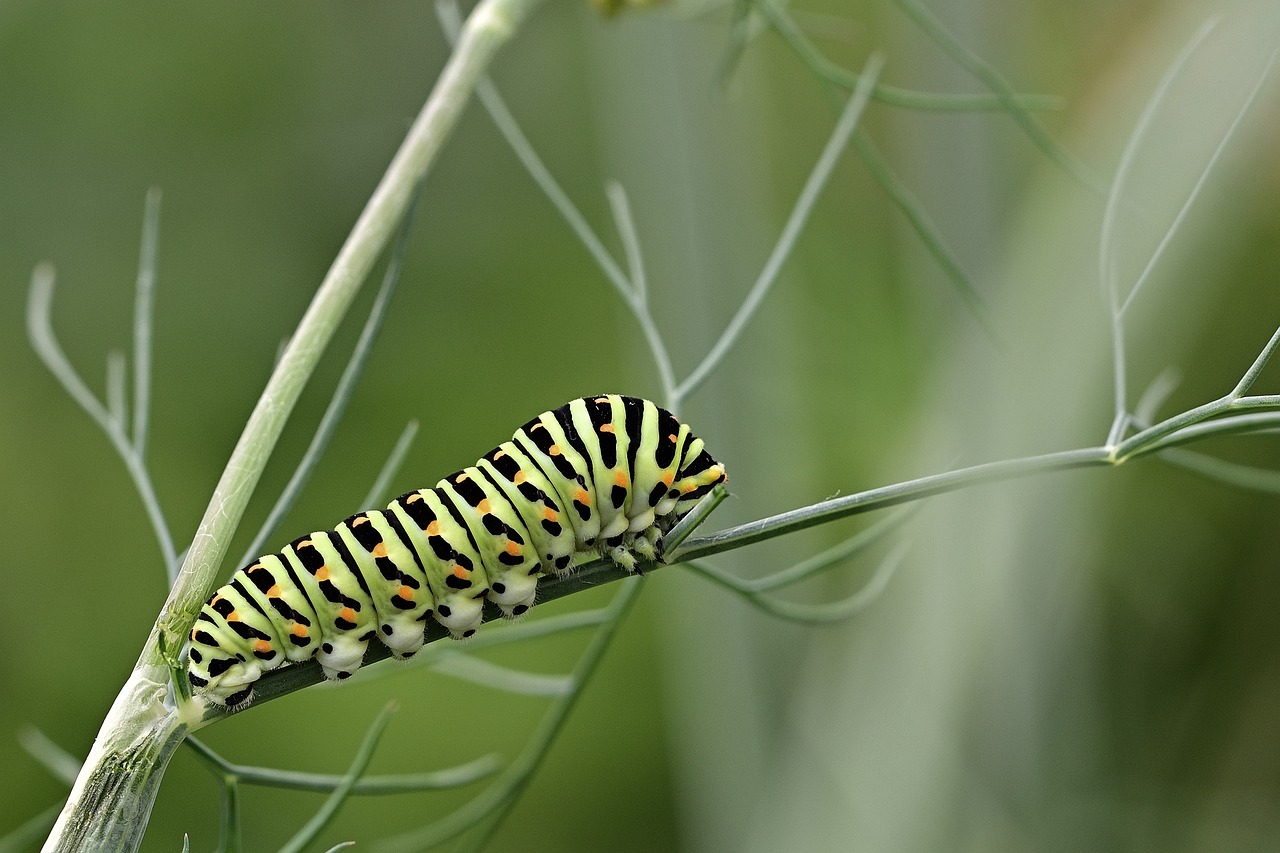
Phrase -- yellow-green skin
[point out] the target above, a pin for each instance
(604, 475)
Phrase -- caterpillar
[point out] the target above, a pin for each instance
(605, 475)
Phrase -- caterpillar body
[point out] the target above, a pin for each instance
(605, 475)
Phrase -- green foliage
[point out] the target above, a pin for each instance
(1000, 692)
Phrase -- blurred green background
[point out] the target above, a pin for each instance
(1082, 661)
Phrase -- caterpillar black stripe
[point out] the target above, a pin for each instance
(605, 475)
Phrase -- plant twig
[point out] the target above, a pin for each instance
(979, 68)
(143, 305)
(450, 777)
(1106, 252)
(45, 343)
(795, 222)
(326, 812)
(378, 491)
(341, 393)
(827, 70)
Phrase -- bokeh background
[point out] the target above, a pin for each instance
(1076, 661)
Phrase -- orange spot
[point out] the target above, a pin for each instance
(274, 592)
(322, 573)
(380, 550)
(554, 450)
(216, 599)
(413, 498)
(539, 425)
(513, 549)
(484, 507)
(233, 616)
(600, 400)
(459, 572)
(519, 478)
(461, 478)
(500, 454)
(582, 497)
(348, 614)
(550, 514)
(298, 630)
(672, 438)
(193, 634)
(305, 543)
(261, 646)
(364, 519)
(668, 478)
(406, 593)
(688, 487)
(621, 479)
(255, 567)
(433, 529)
(607, 428)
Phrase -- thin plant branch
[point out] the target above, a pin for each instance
(922, 224)
(143, 309)
(231, 839)
(813, 614)
(1106, 253)
(326, 812)
(1232, 473)
(632, 288)
(886, 496)
(115, 393)
(1159, 391)
(378, 491)
(45, 343)
(990, 78)
(827, 70)
(341, 393)
(818, 563)
(1201, 429)
(486, 674)
(402, 783)
(639, 301)
(61, 764)
(1199, 184)
(795, 222)
(1251, 375)
(450, 21)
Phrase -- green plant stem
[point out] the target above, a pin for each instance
(359, 764)
(799, 43)
(817, 180)
(341, 396)
(139, 711)
(401, 783)
(885, 496)
(976, 66)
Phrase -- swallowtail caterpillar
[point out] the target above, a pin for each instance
(606, 475)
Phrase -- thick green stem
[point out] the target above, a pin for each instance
(109, 806)
(117, 786)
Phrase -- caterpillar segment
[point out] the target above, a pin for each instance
(600, 476)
